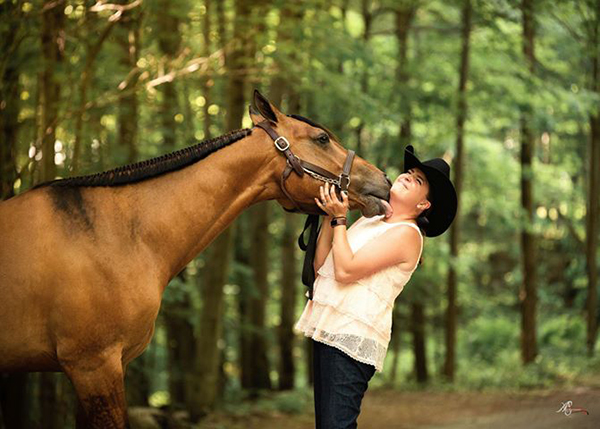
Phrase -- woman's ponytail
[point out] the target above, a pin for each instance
(423, 223)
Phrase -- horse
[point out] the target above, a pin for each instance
(84, 261)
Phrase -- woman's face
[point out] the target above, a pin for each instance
(409, 191)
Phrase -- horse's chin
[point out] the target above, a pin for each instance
(372, 206)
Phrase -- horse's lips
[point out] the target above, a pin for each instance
(376, 206)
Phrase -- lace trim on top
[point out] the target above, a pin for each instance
(327, 325)
(359, 348)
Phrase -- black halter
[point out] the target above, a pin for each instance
(300, 167)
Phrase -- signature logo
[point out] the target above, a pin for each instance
(567, 408)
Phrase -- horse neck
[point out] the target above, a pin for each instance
(180, 213)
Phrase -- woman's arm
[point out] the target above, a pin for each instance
(324, 243)
(396, 245)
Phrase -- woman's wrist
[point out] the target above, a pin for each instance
(338, 220)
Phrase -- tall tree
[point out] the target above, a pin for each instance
(367, 16)
(593, 210)
(128, 38)
(257, 303)
(207, 383)
(528, 292)
(261, 238)
(289, 289)
(11, 37)
(177, 311)
(282, 86)
(417, 326)
(461, 116)
(213, 278)
(206, 80)
(289, 292)
(169, 41)
(92, 49)
(404, 16)
(254, 365)
(53, 41)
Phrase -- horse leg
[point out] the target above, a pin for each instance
(101, 393)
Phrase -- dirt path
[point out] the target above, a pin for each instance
(399, 410)
(392, 409)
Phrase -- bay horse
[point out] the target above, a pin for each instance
(84, 261)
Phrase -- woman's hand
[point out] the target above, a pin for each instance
(330, 203)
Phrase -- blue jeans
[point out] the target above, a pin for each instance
(340, 383)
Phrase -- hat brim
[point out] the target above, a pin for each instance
(442, 195)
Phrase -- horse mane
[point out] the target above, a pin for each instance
(143, 170)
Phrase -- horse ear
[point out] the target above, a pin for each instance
(255, 116)
(265, 108)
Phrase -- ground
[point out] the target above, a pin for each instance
(394, 409)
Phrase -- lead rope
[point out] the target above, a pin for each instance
(308, 269)
(312, 221)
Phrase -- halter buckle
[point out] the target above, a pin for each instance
(287, 143)
(346, 178)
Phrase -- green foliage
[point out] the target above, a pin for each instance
(296, 401)
(487, 337)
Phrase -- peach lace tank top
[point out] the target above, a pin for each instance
(356, 317)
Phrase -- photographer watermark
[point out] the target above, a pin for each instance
(567, 408)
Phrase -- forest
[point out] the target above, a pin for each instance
(506, 91)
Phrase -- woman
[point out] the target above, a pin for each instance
(360, 272)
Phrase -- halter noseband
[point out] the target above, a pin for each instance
(300, 166)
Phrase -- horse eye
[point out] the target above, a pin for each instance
(323, 138)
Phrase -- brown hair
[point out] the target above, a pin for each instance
(422, 223)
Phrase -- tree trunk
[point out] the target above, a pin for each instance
(87, 75)
(206, 80)
(242, 252)
(404, 18)
(52, 408)
(418, 331)
(593, 211)
(215, 275)
(528, 293)
(259, 257)
(178, 313)
(181, 349)
(289, 291)
(395, 345)
(9, 97)
(128, 35)
(364, 78)
(53, 40)
(14, 410)
(137, 381)
(169, 41)
(461, 116)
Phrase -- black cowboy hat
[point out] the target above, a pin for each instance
(442, 194)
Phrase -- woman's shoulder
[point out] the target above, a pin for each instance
(401, 236)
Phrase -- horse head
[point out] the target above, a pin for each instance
(313, 145)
